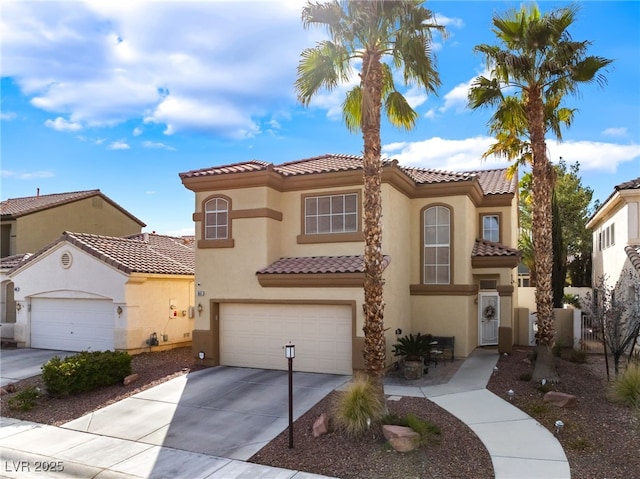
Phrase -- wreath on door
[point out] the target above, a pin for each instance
(489, 312)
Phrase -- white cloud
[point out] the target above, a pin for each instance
(119, 145)
(7, 116)
(157, 145)
(137, 131)
(615, 132)
(32, 175)
(103, 63)
(60, 124)
(593, 155)
(465, 155)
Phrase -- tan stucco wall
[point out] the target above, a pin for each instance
(148, 310)
(90, 215)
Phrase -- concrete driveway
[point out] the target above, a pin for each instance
(22, 363)
(222, 411)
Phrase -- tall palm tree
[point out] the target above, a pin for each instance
(368, 31)
(542, 64)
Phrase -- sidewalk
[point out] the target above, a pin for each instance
(519, 446)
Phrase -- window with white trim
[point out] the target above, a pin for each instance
(491, 228)
(331, 214)
(216, 219)
(437, 245)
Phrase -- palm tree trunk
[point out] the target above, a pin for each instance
(542, 173)
(374, 344)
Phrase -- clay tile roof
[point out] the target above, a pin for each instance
(243, 167)
(489, 248)
(633, 252)
(491, 181)
(319, 264)
(10, 262)
(629, 185)
(16, 207)
(143, 253)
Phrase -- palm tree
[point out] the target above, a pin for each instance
(542, 64)
(367, 31)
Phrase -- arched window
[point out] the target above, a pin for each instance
(216, 219)
(437, 245)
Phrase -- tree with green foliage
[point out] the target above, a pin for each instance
(538, 64)
(368, 32)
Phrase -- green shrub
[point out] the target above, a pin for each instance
(578, 356)
(85, 371)
(626, 387)
(358, 407)
(25, 400)
(537, 409)
(413, 348)
(579, 444)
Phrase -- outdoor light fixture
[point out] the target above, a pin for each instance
(18, 306)
(289, 351)
(199, 309)
(119, 310)
(510, 393)
(495, 370)
(201, 355)
(559, 426)
(398, 332)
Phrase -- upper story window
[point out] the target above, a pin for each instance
(331, 214)
(216, 219)
(491, 228)
(437, 245)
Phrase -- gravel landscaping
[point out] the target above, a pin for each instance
(600, 438)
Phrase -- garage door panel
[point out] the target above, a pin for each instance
(253, 335)
(72, 324)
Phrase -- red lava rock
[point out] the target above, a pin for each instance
(321, 426)
(402, 439)
(130, 378)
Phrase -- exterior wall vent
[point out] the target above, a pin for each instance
(66, 259)
(488, 284)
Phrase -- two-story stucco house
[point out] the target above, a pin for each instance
(616, 233)
(279, 259)
(29, 223)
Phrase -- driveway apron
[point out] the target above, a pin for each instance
(23, 363)
(223, 411)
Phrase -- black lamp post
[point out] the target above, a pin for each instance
(290, 353)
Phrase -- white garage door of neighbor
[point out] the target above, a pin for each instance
(72, 324)
(254, 335)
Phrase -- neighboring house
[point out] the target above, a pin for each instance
(7, 301)
(279, 259)
(93, 292)
(30, 223)
(616, 233)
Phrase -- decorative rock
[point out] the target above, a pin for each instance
(526, 361)
(10, 388)
(560, 399)
(130, 378)
(321, 426)
(402, 439)
(3, 391)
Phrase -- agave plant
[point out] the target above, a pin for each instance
(413, 348)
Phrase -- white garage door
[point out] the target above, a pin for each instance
(72, 324)
(253, 335)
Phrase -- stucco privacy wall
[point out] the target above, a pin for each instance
(88, 215)
(84, 278)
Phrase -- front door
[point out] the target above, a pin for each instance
(488, 318)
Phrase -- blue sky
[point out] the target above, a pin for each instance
(122, 96)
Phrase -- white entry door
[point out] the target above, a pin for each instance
(488, 318)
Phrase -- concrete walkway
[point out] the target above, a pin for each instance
(519, 446)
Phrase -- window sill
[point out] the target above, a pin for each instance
(330, 238)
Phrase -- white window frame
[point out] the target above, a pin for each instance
(440, 243)
(212, 231)
(486, 232)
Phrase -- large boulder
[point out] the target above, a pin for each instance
(560, 399)
(402, 439)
